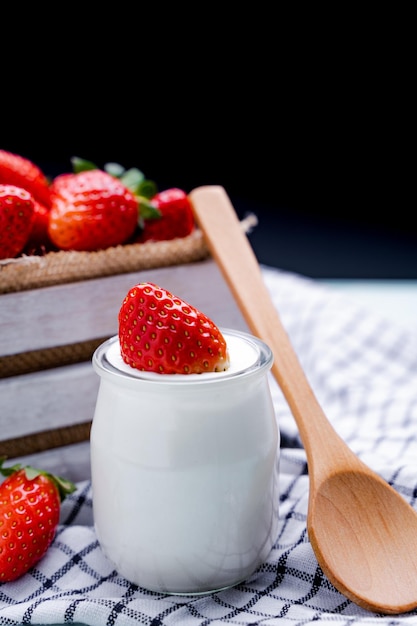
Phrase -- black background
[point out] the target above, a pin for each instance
(320, 213)
(312, 129)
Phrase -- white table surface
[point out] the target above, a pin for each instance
(394, 299)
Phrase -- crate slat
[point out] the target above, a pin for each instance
(77, 312)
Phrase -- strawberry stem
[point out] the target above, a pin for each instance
(64, 486)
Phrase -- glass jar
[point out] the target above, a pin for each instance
(185, 469)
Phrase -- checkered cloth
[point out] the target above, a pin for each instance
(363, 369)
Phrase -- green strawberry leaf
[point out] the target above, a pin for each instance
(132, 178)
(147, 189)
(7, 471)
(147, 210)
(135, 180)
(65, 486)
(114, 169)
(82, 165)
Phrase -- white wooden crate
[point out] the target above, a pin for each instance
(53, 399)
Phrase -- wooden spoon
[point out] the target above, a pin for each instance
(364, 534)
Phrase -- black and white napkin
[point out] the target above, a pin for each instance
(363, 369)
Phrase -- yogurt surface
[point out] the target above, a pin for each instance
(243, 353)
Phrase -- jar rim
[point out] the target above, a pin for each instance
(106, 367)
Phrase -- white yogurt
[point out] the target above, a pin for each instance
(243, 354)
(185, 470)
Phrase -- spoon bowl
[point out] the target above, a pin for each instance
(363, 532)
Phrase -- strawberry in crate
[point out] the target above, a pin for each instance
(17, 212)
(173, 218)
(91, 209)
(22, 172)
(94, 209)
(23, 229)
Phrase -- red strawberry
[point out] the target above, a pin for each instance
(19, 171)
(39, 241)
(176, 217)
(16, 219)
(29, 514)
(91, 210)
(161, 333)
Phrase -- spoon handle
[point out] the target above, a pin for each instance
(234, 255)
